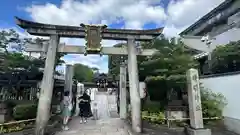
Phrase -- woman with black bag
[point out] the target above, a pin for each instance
(85, 107)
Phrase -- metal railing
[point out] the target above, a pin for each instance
(17, 122)
(21, 125)
(21, 121)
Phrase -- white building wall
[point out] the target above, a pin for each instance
(229, 86)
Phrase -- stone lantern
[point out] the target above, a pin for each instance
(3, 112)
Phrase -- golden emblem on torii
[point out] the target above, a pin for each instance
(93, 38)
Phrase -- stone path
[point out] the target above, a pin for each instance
(113, 126)
(110, 124)
(102, 105)
(106, 125)
(112, 106)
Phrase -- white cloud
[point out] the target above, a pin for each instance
(183, 13)
(134, 13)
(72, 12)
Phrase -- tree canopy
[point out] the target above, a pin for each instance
(166, 70)
(10, 39)
(171, 62)
(114, 61)
(226, 58)
(162, 71)
(83, 73)
(13, 58)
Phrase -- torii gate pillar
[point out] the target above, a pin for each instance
(134, 87)
(123, 91)
(45, 98)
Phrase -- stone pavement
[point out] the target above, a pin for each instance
(101, 98)
(108, 123)
(112, 106)
(113, 126)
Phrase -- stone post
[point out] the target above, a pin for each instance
(69, 79)
(94, 106)
(46, 91)
(95, 110)
(3, 112)
(123, 91)
(79, 88)
(134, 87)
(195, 107)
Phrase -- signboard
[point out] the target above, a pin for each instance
(93, 38)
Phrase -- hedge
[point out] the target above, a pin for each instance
(24, 112)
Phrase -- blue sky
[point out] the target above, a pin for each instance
(139, 14)
(16, 8)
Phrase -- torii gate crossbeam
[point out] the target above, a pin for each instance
(75, 49)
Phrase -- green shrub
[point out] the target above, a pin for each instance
(157, 117)
(10, 104)
(24, 112)
(212, 103)
(151, 106)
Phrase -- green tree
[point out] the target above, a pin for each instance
(12, 57)
(18, 60)
(8, 39)
(83, 73)
(163, 71)
(14, 62)
(95, 69)
(226, 58)
(114, 61)
(166, 70)
(59, 61)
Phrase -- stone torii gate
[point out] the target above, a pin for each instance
(93, 35)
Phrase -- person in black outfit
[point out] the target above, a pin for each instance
(85, 107)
